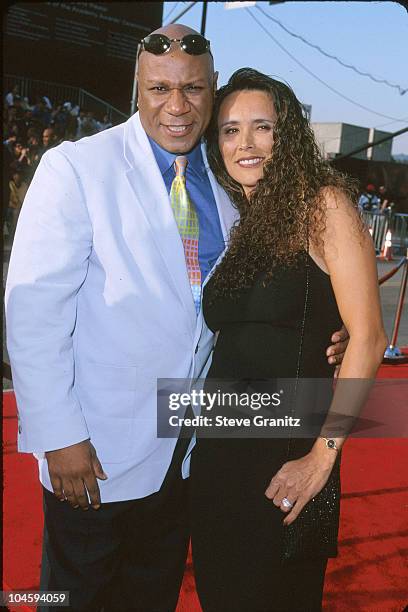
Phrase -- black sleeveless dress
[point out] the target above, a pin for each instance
(237, 533)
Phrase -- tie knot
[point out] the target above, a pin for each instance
(180, 165)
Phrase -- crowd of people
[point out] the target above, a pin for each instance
(30, 128)
(375, 199)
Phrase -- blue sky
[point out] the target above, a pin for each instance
(373, 36)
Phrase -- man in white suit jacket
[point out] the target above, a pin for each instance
(99, 306)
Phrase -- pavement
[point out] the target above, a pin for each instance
(389, 292)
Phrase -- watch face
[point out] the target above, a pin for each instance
(331, 443)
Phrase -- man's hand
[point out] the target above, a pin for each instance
(73, 472)
(335, 352)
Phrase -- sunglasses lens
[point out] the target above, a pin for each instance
(156, 43)
(194, 44)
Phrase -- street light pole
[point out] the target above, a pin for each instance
(133, 101)
(204, 18)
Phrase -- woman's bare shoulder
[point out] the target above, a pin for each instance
(337, 199)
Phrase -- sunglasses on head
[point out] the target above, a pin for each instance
(193, 44)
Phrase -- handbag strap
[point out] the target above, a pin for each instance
(301, 341)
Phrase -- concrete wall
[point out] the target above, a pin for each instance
(381, 152)
(352, 137)
(328, 136)
(341, 138)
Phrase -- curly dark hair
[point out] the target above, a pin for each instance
(287, 207)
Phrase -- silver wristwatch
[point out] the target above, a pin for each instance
(331, 443)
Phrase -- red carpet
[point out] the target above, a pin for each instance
(370, 574)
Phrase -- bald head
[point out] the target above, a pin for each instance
(175, 93)
(178, 30)
(175, 30)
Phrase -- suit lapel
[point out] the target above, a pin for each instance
(148, 186)
(147, 183)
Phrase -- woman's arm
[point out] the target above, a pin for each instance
(348, 256)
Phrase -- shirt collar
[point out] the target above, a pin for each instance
(165, 160)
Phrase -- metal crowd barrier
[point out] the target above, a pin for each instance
(100, 107)
(31, 88)
(377, 223)
(58, 92)
(399, 229)
(382, 223)
(393, 354)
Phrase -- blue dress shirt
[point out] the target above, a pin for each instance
(211, 240)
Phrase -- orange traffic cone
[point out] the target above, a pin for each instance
(386, 253)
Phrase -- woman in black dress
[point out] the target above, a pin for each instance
(265, 511)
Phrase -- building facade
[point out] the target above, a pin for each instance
(335, 139)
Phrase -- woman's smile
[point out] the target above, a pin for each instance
(245, 131)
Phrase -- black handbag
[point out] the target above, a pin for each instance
(314, 532)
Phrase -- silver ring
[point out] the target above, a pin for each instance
(286, 503)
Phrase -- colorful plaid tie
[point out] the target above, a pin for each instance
(187, 223)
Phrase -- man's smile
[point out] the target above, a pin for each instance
(178, 130)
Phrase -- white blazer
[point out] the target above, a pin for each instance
(99, 305)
